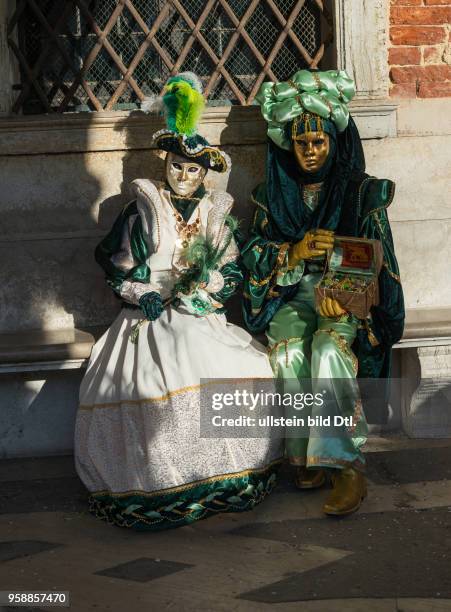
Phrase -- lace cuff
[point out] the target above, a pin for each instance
(215, 282)
(133, 292)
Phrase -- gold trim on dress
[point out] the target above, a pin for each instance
(167, 396)
(285, 342)
(162, 398)
(314, 461)
(392, 274)
(259, 204)
(357, 416)
(315, 76)
(255, 283)
(371, 337)
(342, 345)
(283, 248)
(254, 217)
(190, 485)
(359, 197)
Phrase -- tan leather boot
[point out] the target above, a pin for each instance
(309, 478)
(349, 490)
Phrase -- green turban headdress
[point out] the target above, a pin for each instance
(326, 94)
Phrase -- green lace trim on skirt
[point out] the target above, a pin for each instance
(143, 512)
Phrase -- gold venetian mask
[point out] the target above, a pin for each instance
(183, 175)
(311, 150)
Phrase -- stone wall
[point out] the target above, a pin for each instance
(54, 209)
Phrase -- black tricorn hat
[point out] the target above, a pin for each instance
(195, 148)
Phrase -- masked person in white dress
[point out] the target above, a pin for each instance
(138, 446)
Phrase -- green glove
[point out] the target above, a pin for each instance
(151, 305)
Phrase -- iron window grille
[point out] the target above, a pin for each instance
(81, 55)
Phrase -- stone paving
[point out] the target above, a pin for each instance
(394, 555)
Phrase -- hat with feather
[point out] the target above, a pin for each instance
(183, 104)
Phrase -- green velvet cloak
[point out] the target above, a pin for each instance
(364, 214)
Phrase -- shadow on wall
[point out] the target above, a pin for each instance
(55, 208)
(248, 171)
(47, 236)
(136, 162)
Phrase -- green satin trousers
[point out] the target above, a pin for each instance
(304, 345)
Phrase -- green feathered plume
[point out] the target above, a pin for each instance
(184, 105)
(203, 257)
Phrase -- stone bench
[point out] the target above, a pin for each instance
(41, 373)
(426, 327)
(71, 348)
(40, 376)
(45, 350)
(425, 373)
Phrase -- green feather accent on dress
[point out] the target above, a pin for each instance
(203, 257)
(187, 504)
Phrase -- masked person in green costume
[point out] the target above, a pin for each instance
(316, 186)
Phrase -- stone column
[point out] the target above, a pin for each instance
(427, 407)
(362, 44)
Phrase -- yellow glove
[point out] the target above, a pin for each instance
(314, 244)
(330, 308)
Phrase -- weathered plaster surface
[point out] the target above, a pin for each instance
(421, 169)
(362, 42)
(54, 209)
(420, 214)
(38, 413)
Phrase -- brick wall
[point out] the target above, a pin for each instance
(420, 51)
